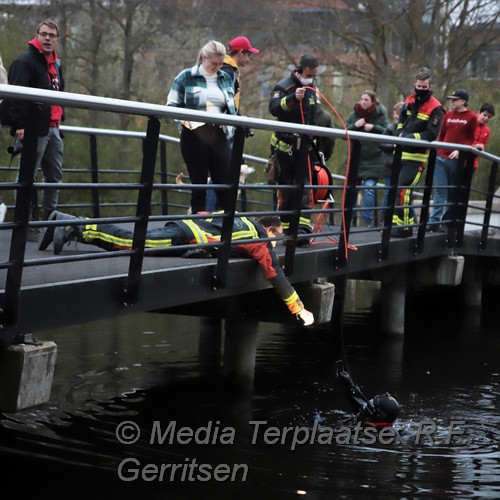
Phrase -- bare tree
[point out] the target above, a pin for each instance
(395, 39)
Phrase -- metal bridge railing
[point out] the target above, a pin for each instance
(342, 210)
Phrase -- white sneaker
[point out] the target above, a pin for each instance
(3, 211)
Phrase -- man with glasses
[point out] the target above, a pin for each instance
(40, 67)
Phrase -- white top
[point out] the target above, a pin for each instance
(216, 102)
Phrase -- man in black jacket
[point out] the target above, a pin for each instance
(40, 67)
(294, 100)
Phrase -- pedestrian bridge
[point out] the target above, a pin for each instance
(39, 291)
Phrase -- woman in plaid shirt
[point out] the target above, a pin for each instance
(205, 147)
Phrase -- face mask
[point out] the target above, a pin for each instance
(305, 81)
(423, 93)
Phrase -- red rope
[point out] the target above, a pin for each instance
(319, 223)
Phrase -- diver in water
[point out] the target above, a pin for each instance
(380, 411)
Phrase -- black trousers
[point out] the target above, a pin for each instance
(206, 151)
(288, 175)
(409, 176)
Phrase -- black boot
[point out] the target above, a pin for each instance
(48, 235)
(63, 234)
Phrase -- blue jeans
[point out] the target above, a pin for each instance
(211, 197)
(49, 158)
(369, 200)
(445, 174)
(387, 184)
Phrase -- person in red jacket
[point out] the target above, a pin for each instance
(483, 132)
(459, 127)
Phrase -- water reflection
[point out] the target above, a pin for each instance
(151, 367)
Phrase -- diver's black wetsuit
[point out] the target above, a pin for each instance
(380, 411)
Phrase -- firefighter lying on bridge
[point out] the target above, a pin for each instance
(187, 231)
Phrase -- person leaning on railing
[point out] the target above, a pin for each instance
(192, 231)
(483, 132)
(369, 116)
(459, 127)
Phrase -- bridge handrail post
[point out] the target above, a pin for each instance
(489, 205)
(150, 149)
(224, 251)
(9, 314)
(297, 202)
(463, 195)
(94, 175)
(426, 202)
(163, 177)
(349, 202)
(391, 202)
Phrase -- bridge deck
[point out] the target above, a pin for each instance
(57, 294)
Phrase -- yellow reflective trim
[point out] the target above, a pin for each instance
(280, 145)
(306, 222)
(249, 233)
(90, 233)
(283, 103)
(423, 117)
(417, 178)
(407, 219)
(158, 243)
(293, 298)
(420, 157)
(293, 303)
(417, 135)
(199, 235)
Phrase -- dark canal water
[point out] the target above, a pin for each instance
(150, 371)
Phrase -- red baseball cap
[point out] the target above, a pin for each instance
(242, 43)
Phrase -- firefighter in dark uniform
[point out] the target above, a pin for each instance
(182, 232)
(421, 118)
(293, 100)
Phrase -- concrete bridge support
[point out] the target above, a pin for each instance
(240, 348)
(394, 303)
(450, 270)
(472, 284)
(26, 374)
(209, 344)
(318, 298)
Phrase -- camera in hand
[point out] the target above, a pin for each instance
(16, 148)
